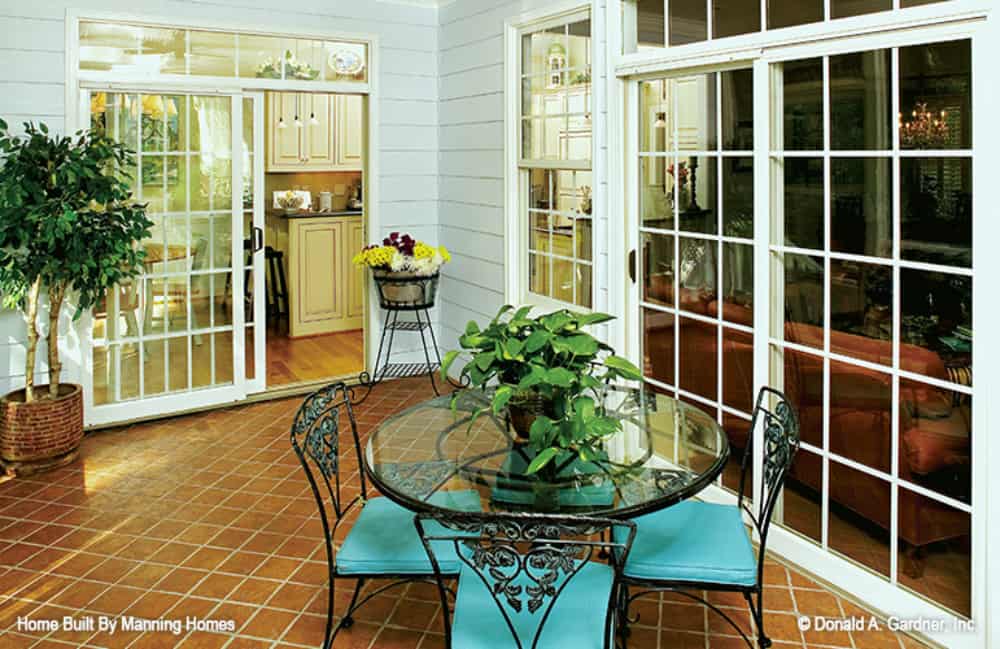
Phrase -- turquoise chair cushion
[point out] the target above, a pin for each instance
(577, 619)
(384, 539)
(692, 542)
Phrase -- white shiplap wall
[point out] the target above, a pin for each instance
(472, 159)
(32, 86)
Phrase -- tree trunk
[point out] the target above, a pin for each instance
(31, 320)
(56, 294)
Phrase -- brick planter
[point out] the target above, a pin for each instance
(43, 434)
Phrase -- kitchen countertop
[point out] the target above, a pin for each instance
(312, 215)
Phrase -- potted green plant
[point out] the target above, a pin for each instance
(68, 232)
(549, 375)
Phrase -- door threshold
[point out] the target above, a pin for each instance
(282, 392)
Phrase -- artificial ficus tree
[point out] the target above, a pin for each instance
(69, 228)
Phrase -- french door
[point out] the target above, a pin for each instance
(183, 333)
(807, 223)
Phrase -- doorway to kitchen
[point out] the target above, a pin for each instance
(251, 152)
(314, 162)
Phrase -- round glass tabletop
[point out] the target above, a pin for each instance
(438, 455)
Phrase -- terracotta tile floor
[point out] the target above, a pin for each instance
(210, 516)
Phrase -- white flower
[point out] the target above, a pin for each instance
(398, 263)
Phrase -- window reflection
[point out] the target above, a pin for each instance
(936, 327)
(861, 311)
(936, 196)
(860, 415)
(859, 526)
(861, 101)
(935, 551)
(861, 206)
(688, 22)
(935, 96)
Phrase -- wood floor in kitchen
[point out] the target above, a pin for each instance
(297, 360)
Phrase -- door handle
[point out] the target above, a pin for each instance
(631, 265)
(258, 240)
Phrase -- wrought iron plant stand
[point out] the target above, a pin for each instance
(404, 293)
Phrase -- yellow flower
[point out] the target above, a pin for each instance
(152, 105)
(98, 103)
(445, 254)
(423, 251)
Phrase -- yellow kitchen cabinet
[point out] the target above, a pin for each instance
(325, 294)
(350, 137)
(356, 276)
(284, 144)
(318, 144)
(334, 143)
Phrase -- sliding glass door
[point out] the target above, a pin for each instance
(871, 321)
(867, 243)
(173, 338)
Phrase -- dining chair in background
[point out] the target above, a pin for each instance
(527, 581)
(700, 546)
(382, 542)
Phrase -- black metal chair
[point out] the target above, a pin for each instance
(705, 547)
(382, 542)
(527, 580)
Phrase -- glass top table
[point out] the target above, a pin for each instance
(436, 456)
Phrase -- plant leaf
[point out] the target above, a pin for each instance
(538, 339)
(449, 360)
(541, 460)
(560, 377)
(483, 360)
(501, 397)
(532, 378)
(624, 367)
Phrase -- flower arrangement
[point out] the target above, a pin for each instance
(401, 253)
(294, 69)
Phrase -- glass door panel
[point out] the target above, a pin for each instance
(696, 244)
(871, 249)
(170, 331)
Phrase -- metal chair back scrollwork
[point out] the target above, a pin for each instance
(525, 561)
(315, 436)
(776, 420)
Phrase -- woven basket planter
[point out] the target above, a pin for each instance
(43, 434)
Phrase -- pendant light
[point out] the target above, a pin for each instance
(312, 97)
(298, 122)
(281, 116)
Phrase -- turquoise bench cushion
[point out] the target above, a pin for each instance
(693, 542)
(577, 619)
(384, 539)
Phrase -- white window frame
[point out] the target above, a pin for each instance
(516, 234)
(936, 22)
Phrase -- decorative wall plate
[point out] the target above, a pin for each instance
(346, 62)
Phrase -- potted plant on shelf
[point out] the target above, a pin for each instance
(549, 376)
(406, 271)
(68, 232)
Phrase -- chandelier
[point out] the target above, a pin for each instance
(925, 129)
